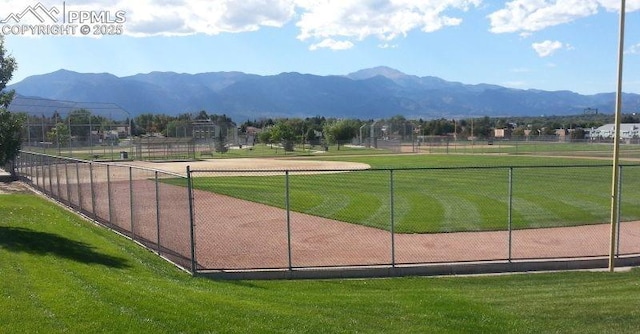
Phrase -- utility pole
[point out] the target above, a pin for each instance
(615, 184)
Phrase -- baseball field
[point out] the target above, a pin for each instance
(439, 208)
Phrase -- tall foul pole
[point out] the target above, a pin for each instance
(616, 145)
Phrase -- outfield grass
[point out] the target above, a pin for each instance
(447, 197)
(256, 151)
(262, 151)
(63, 274)
(534, 147)
(510, 147)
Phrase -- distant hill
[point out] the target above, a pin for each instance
(372, 93)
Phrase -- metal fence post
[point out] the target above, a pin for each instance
(288, 212)
(510, 213)
(66, 178)
(37, 172)
(43, 174)
(78, 186)
(34, 168)
(618, 208)
(191, 221)
(43, 185)
(132, 216)
(157, 212)
(392, 217)
(50, 178)
(31, 162)
(109, 194)
(93, 194)
(58, 180)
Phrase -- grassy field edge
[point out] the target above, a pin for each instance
(61, 273)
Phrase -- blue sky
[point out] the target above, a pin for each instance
(526, 44)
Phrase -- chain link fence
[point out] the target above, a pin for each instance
(531, 145)
(243, 222)
(301, 219)
(85, 130)
(151, 207)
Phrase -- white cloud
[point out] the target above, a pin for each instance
(534, 15)
(317, 20)
(331, 44)
(178, 17)
(206, 17)
(546, 48)
(387, 46)
(383, 19)
(614, 5)
(633, 50)
(526, 16)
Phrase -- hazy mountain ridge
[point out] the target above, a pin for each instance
(370, 93)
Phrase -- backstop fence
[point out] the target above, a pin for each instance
(346, 223)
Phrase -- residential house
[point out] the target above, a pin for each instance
(607, 131)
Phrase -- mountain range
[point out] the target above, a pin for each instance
(379, 92)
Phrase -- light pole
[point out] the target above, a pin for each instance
(616, 145)
(365, 124)
(373, 142)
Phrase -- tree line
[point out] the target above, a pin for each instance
(321, 130)
(316, 130)
(176, 126)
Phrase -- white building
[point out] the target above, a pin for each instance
(627, 131)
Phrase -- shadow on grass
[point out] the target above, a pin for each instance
(244, 284)
(24, 240)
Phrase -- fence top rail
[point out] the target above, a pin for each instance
(306, 170)
(108, 164)
(328, 170)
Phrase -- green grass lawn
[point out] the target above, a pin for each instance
(63, 274)
(262, 150)
(446, 197)
(256, 151)
(533, 147)
(510, 147)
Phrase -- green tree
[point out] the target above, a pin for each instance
(630, 119)
(313, 126)
(219, 144)
(341, 131)
(283, 133)
(10, 123)
(80, 123)
(159, 123)
(578, 134)
(518, 132)
(549, 131)
(202, 115)
(179, 128)
(59, 134)
(265, 136)
(144, 123)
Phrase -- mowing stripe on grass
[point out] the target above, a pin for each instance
(460, 214)
(380, 217)
(529, 214)
(329, 205)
